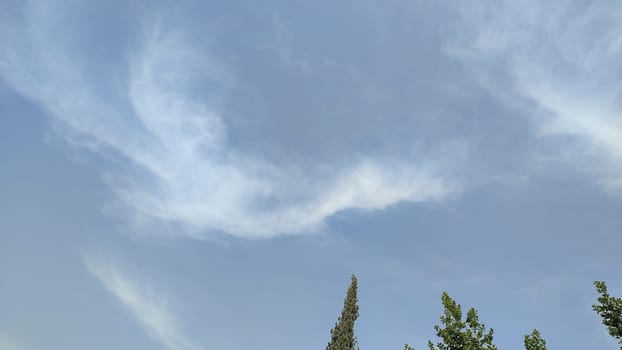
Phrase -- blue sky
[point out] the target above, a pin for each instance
(207, 175)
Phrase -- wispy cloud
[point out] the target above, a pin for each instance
(164, 115)
(565, 57)
(148, 309)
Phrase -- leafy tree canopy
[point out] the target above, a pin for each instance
(534, 341)
(459, 334)
(610, 310)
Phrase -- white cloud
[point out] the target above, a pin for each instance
(565, 57)
(148, 309)
(168, 120)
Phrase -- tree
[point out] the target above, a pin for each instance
(534, 341)
(457, 334)
(610, 310)
(342, 335)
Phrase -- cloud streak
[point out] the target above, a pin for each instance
(164, 116)
(149, 310)
(560, 63)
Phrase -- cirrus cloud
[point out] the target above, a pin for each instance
(160, 114)
(559, 62)
(148, 309)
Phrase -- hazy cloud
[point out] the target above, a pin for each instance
(9, 343)
(163, 113)
(558, 62)
(148, 309)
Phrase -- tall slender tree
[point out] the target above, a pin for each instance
(610, 310)
(457, 334)
(534, 341)
(342, 335)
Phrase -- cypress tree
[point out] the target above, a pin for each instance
(342, 335)
(610, 310)
(534, 341)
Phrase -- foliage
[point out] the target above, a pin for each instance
(457, 334)
(610, 310)
(534, 341)
(342, 335)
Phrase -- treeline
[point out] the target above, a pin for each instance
(468, 333)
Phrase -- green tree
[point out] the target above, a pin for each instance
(457, 334)
(534, 341)
(342, 335)
(610, 310)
